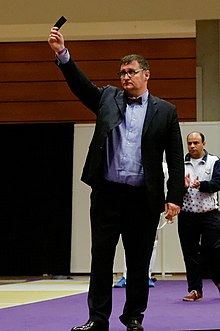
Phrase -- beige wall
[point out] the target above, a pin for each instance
(28, 21)
(101, 30)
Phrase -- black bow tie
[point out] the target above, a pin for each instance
(131, 100)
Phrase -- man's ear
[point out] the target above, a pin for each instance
(147, 74)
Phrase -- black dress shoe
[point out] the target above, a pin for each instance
(92, 326)
(134, 325)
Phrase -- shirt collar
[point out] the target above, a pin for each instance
(144, 97)
(204, 159)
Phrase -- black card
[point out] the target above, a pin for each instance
(60, 22)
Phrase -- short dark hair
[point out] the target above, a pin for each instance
(135, 57)
(200, 133)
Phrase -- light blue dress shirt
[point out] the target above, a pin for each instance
(124, 159)
(64, 58)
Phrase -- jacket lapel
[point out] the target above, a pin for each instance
(151, 111)
(120, 99)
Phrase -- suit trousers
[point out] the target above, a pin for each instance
(120, 209)
(199, 235)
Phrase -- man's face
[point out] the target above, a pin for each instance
(135, 84)
(195, 145)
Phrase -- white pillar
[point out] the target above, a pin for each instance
(208, 70)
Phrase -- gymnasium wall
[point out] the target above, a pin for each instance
(32, 88)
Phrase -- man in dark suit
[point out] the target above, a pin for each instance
(124, 169)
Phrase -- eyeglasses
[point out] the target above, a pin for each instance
(130, 73)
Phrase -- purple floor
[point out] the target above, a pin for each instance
(166, 311)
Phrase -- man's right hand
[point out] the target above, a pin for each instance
(56, 40)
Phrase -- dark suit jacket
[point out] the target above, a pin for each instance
(160, 133)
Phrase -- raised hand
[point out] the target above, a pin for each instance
(56, 40)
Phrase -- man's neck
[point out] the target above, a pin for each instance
(136, 94)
